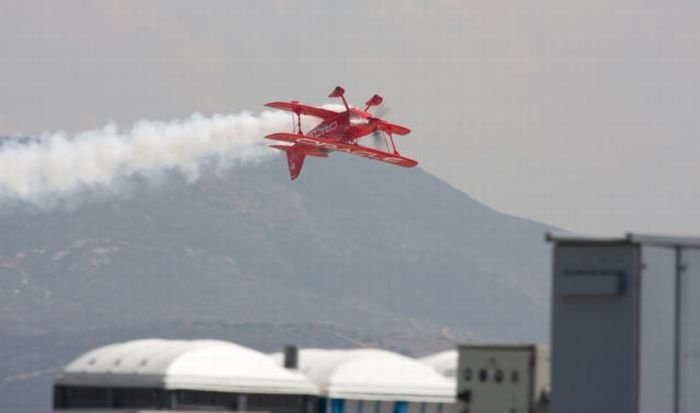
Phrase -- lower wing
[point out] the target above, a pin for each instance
(333, 145)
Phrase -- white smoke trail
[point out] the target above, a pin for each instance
(57, 167)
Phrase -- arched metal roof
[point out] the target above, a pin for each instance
(210, 365)
(444, 362)
(370, 374)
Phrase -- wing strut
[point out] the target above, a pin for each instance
(296, 109)
(393, 145)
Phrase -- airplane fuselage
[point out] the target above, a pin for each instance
(347, 126)
(338, 131)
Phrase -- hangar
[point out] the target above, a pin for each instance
(374, 381)
(182, 375)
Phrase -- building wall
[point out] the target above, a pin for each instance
(502, 378)
(634, 348)
(689, 357)
(72, 397)
(595, 328)
(656, 333)
(375, 406)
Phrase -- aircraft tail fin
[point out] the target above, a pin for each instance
(295, 159)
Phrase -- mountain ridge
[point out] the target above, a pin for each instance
(374, 251)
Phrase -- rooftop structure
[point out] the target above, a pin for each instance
(444, 362)
(156, 373)
(372, 374)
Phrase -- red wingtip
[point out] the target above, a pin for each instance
(337, 92)
(376, 100)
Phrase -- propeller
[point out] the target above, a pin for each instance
(378, 139)
(382, 111)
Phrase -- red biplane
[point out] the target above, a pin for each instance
(338, 131)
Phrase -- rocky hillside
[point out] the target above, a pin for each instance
(352, 253)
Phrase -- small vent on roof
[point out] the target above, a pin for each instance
(291, 357)
(92, 361)
(117, 362)
(144, 362)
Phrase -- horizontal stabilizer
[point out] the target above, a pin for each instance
(283, 148)
(305, 150)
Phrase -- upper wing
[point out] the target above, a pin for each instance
(333, 145)
(302, 109)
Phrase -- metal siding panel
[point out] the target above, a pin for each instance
(656, 330)
(594, 353)
(690, 333)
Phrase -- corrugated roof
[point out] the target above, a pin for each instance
(629, 238)
(369, 374)
(210, 365)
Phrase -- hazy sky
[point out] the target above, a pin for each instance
(581, 114)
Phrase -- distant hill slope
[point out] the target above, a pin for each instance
(357, 245)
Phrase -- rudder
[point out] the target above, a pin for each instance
(295, 157)
(295, 161)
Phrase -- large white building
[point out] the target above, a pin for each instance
(178, 374)
(218, 375)
(374, 381)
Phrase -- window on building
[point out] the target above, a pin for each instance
(281, 403)
(138, 398)
(498, 376)
(467, 374)
(210, 400)
(82, 397)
